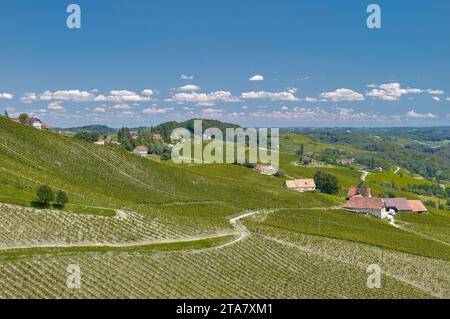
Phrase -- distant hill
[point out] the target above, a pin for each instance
(89, 128)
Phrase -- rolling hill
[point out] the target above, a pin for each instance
(163, 230)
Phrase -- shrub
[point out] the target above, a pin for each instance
(326, 182)
(45, 194)
(62, 199)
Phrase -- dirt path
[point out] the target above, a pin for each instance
(364, 175)
(397, 170)
(239, 230)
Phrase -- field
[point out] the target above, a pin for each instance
(146, 228)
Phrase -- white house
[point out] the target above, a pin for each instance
(141, 151)
(35, 122)
(266, 169)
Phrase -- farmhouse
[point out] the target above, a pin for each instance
(355, 191)
(100, 142)
(266, 169)
(306, 160)
(134, 135)
(417, 206)
(301, 185)
(141, 151)
(366, 205)
(345, 161)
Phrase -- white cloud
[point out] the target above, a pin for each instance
(274, 96)
(435, 92)
(125, 96)
(257, 77)
(84, 96)
(413, 114)
(154, 110)
(316, 114)
(206, 99)
(284, 108)
(148, 92)
(436, 98)
(99, 110)
(10, 108)
(391, 91)
(127, 113)
(56, 106)
(121, 106)
(189, 87)
(7, 96)
(342, 95)
(311, 99)
(186, 77)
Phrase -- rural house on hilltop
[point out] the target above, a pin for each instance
(355, 191)
(301, 185)
(367, 205)
(141, 151)
(266, 169)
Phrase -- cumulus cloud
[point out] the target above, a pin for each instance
(274, 96)
(257, 77)
(125, 96)
(121, 106)
(436, 98)
(7, 96)
(85, 96)
(56, 106)
(311, 99)
(206, 99)
(154, 110)
(148, 92)
(342, 95)
(413, 114)
(317, 114)
(435, 92)
(186, 77)
(391, 91)
(189, 87)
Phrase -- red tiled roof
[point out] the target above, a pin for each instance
(353, 191)
(301, 183)
(262, 166)
(401, 204)
(364, 203)
(417, 206)
(141, 149)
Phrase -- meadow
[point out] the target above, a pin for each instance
(145, 228)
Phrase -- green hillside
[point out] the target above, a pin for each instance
(167, 230)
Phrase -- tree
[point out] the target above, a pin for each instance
(362, 189)
(6, 114)
(23, 118)
(45, 194)
(62, 199)
(88, 136)
(301, 151)
(326, 182)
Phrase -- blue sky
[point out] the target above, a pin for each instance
(144, 62)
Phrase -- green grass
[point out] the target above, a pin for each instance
(359, 228)
(14, 254)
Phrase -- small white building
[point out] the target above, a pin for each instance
(35, 122)
(266, 169)
(141, 151)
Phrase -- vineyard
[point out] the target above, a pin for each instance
(140, 228)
